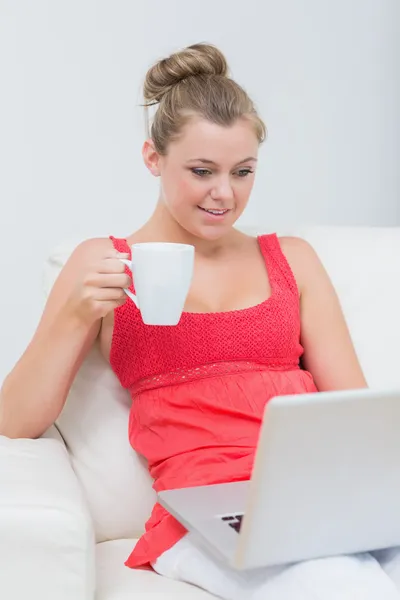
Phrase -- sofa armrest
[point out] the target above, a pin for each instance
(46, 536)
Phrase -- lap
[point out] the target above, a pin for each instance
(356, 577)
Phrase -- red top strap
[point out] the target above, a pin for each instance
(276, 262)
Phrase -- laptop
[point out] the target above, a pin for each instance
(325, 481)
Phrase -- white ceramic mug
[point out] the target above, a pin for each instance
(162, 274)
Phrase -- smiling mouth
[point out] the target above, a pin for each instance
(214, 211)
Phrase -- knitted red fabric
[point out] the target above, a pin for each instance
(142, 352)
(199, 389)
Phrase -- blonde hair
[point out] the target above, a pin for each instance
(195, 82)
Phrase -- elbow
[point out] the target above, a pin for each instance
(12, 425)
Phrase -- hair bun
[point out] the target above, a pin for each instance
(196, 60)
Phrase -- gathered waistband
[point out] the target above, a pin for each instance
(215, 369)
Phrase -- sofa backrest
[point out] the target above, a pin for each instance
(364, 265)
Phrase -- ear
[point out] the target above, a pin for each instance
(151, 157)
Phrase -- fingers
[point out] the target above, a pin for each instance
(109, 280)
(112, 253)
(111, 265)
(109, 295)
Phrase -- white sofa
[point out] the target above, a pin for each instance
(72, 505)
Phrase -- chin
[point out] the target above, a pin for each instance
(212, 233)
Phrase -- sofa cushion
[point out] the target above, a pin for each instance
(364, 265)
(117, 582)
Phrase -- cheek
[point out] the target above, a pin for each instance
(245, 187)
(189, 188)
(185, 191)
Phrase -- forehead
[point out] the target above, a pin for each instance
(203, 139)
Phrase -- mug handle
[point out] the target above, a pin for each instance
(134, 299)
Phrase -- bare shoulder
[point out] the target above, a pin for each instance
(91, 247)
(293, 244)
(302, 258)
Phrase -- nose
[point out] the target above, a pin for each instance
(222, 190)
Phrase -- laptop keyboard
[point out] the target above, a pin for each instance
(234, 521)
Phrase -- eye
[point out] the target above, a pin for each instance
(201, 172)
(244, 172)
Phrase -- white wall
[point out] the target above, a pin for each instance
(325, 76)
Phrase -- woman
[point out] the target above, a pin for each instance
(255, 308)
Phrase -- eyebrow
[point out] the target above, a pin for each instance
(207, 161)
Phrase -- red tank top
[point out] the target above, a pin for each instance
(199, 389)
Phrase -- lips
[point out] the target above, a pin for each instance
(214, 211)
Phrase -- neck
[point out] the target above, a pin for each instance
(162, 227)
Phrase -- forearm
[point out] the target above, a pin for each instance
(34, 393)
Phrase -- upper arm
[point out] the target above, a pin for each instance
(329, 353)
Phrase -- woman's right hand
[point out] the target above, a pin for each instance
(97, 279)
